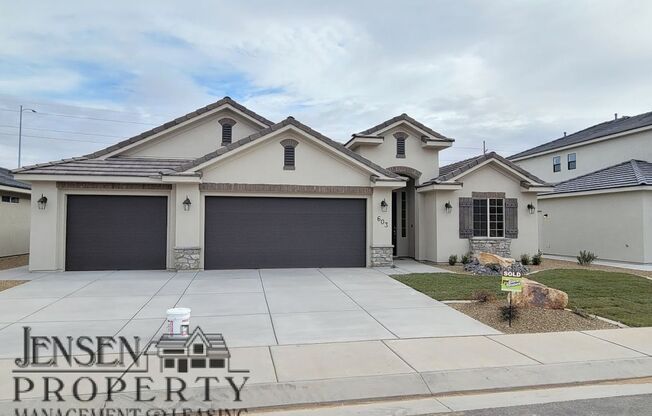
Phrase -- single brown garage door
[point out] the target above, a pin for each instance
(116, 232)
(243, 232)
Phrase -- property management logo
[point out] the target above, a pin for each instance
(83, 375)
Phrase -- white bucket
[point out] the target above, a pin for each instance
(178, 321)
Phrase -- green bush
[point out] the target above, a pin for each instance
(537, 258)
(483, 296)
(525, 259)
(452, 259)
(586, 257)
(466, 258)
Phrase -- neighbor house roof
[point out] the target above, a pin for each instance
(448, 172)
(179, 120)
(403, 117)
(7, 179)
(290, 121)
(113, 166)
(626, 174)
(606, 128)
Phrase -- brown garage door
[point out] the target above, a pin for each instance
(244, 232)
(116, 232)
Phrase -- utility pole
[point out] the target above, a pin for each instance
(20, 130)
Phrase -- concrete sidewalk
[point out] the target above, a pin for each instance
(308, 374)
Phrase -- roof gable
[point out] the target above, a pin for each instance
(607, 128)
(457, 170)
(290, 122)
(225, 102)
(405, 119)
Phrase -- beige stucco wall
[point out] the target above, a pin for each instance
(195, 140)
(446, 225)
(262, 162)
(14, 225)
(615, 226)
(425, 160)
(591, 157)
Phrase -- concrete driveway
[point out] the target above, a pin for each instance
(250, 307)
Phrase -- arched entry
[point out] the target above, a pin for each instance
(404, 214)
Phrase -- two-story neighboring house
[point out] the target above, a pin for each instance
(225, 188)
(602, 201)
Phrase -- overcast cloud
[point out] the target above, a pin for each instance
(513, 73)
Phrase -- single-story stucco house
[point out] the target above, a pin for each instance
(223, 187)
(15, 199)
(602, 201)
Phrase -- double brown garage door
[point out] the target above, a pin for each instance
(248, 232)
(130, 232)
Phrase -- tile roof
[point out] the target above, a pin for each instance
(113, 166)
(403, 117)
(179, 120)
(448, 172)
(626, 174)
(606, 128)
(7, 179)
(287, 122)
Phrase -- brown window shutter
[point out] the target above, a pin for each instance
(466, 217)
(511, 218)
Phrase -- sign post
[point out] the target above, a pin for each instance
(511, 282)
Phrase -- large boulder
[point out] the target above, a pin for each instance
(489, 258)
(535, 294)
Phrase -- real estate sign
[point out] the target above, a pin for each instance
(511, 284)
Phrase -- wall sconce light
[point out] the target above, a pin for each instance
(531, 208)
(186, 204)
(449, 207)
(42, 202)
(383, 205)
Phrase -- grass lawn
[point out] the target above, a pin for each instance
(619, 296)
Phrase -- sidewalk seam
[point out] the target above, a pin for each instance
(508, 347)
(615, 343)
(408, 364)
(269, 312)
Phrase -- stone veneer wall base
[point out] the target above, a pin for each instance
(499, 246)
(382, 256)
(186, 258)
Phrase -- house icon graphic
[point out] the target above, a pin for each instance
(196, 350)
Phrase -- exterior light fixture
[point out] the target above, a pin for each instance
(186, 204)
(449, 207)
(383, 205)
(531, 208)
(42, 202)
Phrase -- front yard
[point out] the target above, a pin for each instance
(619, 296)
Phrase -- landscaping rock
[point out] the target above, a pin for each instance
(489, 258)
(494, 269)
(538, 295)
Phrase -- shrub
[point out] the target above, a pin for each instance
(483, 296)
(586, 257)
(452, 259)
(537, 258)
(525, 259)
(466, 258)
(505, 311)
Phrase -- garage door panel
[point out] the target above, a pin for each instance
(116, 232)
(244, 232)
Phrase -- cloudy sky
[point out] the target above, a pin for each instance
(513, 73)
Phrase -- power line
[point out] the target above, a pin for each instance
(85, 117)
(63, 131)
(56, 138)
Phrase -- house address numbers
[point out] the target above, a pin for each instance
(382, 221)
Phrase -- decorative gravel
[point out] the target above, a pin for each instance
(529, 319)
(7, 284)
